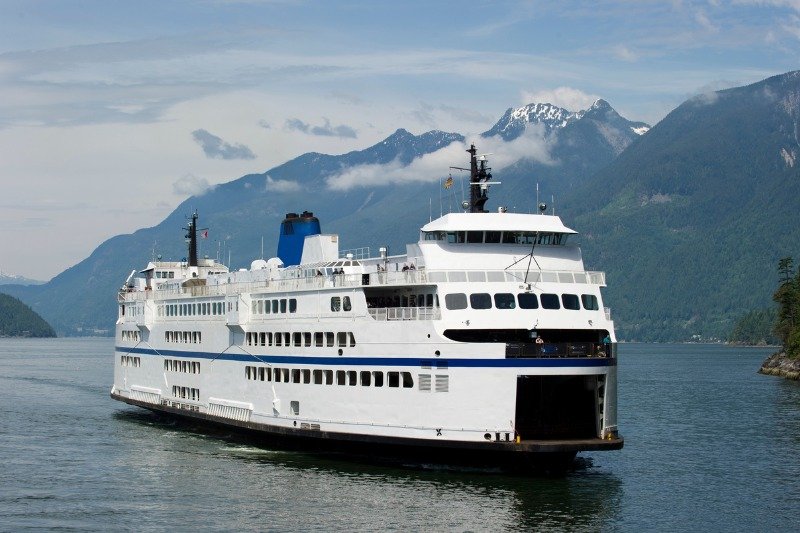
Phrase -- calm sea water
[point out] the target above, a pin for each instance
(710, 444)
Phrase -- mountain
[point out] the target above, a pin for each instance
(12, 279)
(378, 212)
(553, 118)
(690, 220)
(18, 320)
(578, 143)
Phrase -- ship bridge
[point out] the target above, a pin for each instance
(495, 240)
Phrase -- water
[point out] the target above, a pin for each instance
(710, 444)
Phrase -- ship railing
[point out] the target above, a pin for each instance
(357, 253)
(523, 350)
(382, 278)
(404, 313)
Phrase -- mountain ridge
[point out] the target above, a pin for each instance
(80, 299)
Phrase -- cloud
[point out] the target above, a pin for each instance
(264, 124)
(295, 124)
(426, 114)
(566, 97)
(702, 19)
(436, 165)
(624, 53)
(792, 27)
(216, 148)
(190, 185)
(282, 185)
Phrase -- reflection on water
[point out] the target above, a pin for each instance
(347, 493)
(709, 444)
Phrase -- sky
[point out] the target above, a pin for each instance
(114, 112)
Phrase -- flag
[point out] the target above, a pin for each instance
(204, 234)
(448, 182)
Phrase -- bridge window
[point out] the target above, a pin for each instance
(492, 237)
(474, 237)
(504, 300)
(456, 237)
(480, 300)
(455, 301)
(527, 300)
(550, 301)
(589, 302)
(570, 301)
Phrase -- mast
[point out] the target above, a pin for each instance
(479, 177)
(191, 238)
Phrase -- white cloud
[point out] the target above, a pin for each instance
(282, 185)
(624, 53)
(216, 148)
(436, 165)
(190, 185)
(567, 97)
(326, 130)
(702, 19)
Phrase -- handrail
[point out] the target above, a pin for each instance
(408, 277)
(404, 313)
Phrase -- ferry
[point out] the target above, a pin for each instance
(486, 340)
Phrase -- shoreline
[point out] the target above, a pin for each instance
(779, 364)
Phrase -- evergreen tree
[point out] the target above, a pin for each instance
(787, 325)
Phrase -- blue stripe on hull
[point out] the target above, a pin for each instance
(379, 361)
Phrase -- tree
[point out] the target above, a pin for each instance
(787, 328)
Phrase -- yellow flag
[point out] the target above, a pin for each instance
(448, 182)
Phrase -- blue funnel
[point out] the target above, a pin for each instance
(294, 229)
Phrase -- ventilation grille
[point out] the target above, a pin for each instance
(442, 383)
(425, 382)
(147, 395)
(228, 411)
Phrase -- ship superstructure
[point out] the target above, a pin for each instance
(487, 337)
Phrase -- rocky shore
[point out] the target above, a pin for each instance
(779, 364)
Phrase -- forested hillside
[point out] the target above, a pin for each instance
(691, 220)
(18, 320)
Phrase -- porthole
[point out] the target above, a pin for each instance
(340, 351)
(438, 353)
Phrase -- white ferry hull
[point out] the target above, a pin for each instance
(487, 338)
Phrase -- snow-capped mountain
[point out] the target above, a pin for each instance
(514, 122)
(382, 209)
(9, 279)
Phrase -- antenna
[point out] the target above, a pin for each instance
(553, 203)
(191, 239)
(537, 193)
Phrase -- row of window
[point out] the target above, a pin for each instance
(177, 365)
(196, 309)
(342, 339)
(165, 274)
(365, 378)
(129, 360)
(130, 335)
(194, 337)
(497, 237)
(132, 310)
(282, 305)
(187, 393)
(525, 300)
(410, 300)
